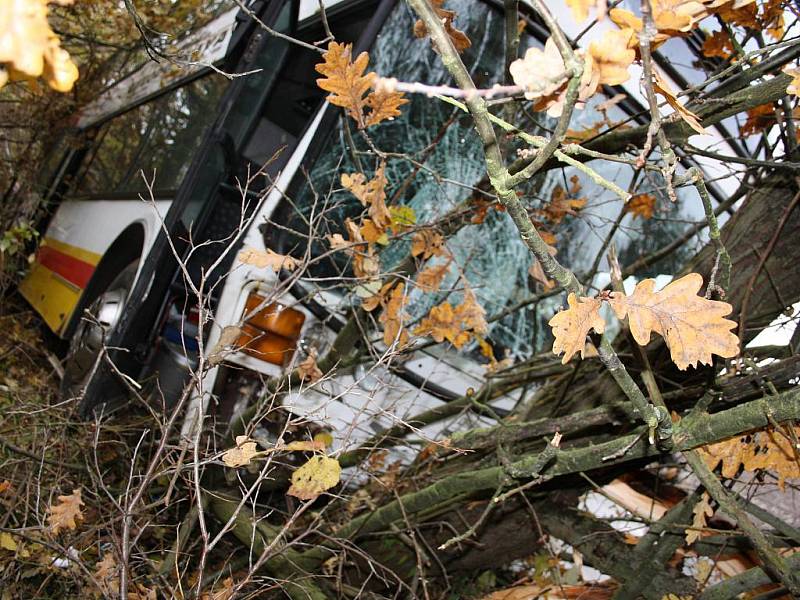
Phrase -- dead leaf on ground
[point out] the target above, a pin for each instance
(571, 326)
(223, 592)
(320, 473)
(66, 513)
(693, 327)
(267, 259)
(240, 455)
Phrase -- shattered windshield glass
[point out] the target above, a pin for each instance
(434, 165)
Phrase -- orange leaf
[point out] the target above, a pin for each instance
(267, 259)
(701, 511)
(641, 205)
(458, 37)
(393, 317)
(458, 326)
(794, 86)
(580, 9)
(692, 326)
(571, 326)
(718, 44)
(65, 514)
(347, 83)
(758, 120)
(427, 243)
(371, 193)
(431, 278)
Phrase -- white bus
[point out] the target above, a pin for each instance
(108, 274)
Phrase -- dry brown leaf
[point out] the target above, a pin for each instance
(305, 446)
(225, 592)
(693, 327)
(426, 243)
(320, 473)
(430, 279)
(717, 45)
(540, 72)
(393, 317)
(767, 450)
(587, 591)
(702, 510)
(561, 204)
(225, 344)
(458, 37)
(758, 120)
(5, 485)
(459, 325)
(641, 205)
(267, 259)
(308, 369)
(537, 272)
(347, 83)
(612, 56)
(371, 194)
(660, 86)
(65, 514)
(240, 455)
(337, 242)
(571, 326)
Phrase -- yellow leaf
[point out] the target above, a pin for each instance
(701, 511)
(571, 326)
(7, 542)
(65, 514)
(612, 56)
(267, 259)
(403, 217)
(241, 455)
(29, 48)
(641, 205)
(580, 8)
(320, 473)
(692, 326)
(347, 83)
(325, 438)
(662, 87)
(308, 369)
(794, 85)
(458, 37)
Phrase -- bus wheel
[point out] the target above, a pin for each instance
(98, 320)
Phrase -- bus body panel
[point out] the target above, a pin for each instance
(79, 234)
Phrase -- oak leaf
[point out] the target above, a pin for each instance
(580, 8)
(717, 45)
(758, 120)
(320, 473)
(660, 86)
(65, 514)
(267, 259)
(308, 369)
(794, 85)
(457, 325)
(305, 446)
(537, 272)
(561, 204)
(693, 327)
(393, 317)
(29, 48)
(702, 510)
(641, 205)
(540, 72)
(767, 450)
(612, 56)
(241, 454)
(458, 37)
(570, 327)
(371, 194)
(426, 243)
(348, 85)
(430, 279)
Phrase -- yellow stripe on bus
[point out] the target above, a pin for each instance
(52, 296)
(74, 251)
